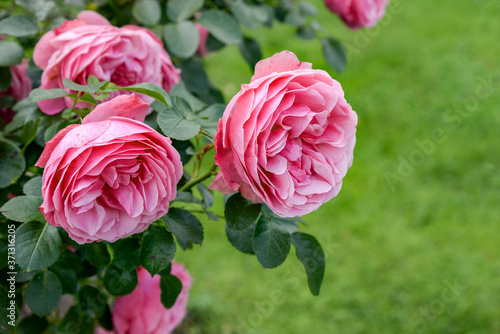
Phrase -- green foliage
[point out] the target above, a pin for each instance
(178, 121)
(182, 38)
(271, 242)
(178, 10)
(37, 245)
(240, 212)
(171, 287)
(12, 163)
(43, 293)
(98, 255)
(334, 53)
(33, 187)
(126, 253)
(11, 53)
(157, 249)
(119, 282)
(40, 94)
(147, 12)
(311, 255)
(23, 209)
(19, 26)
(185, 225)
(222, 26)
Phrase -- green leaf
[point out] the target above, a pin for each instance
(28, 133)
(43, 293)
(53, 130)
(10, 53)
(334, 53)
(90, 88)
(5, 78)
(193, 75)
(5, 314)
(180, 90)
(306, 33)
(209, 117)
(242, 240)
(179, 122)
(186, 197)
(222, 26)
(184, 224)
(178, 10)
(311, 255)
(271, 242)
(33, 187)
(250, 50)
(12, 163)
(77, 321)
(120, 282)
(249, 15)
(40, 94)
(93, 300)
(157, 249)
(308, 9)
(97, 254)
(147, 12)
(19, 26)
(32, 324)
(23, 209)
(294, 19)
(150, 90)
(208, 198)
(37, 246)
(126, 253)
(66, 276)
(182, 38)
(240, 212)
(171, 287)
(106, 320)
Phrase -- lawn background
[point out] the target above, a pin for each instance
(415, 255)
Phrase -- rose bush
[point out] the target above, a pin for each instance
(111, 176)
(20, 87)
(358, 13)
(90, 45)
(142, 310)
(287, 138)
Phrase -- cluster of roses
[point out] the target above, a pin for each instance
(286, 139)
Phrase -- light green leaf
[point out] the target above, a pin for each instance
(178, 10)
(222, 26)
(10, 53)
(23, 209)
(19, 26)
(147, 12)
(182, 38)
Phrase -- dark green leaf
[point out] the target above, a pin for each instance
(106, 320)
(185, 225)
(10, 53)
(8, 305)
(182, 38)
(334, 53)
(271, 242)
(37, 246)
(77, 321)
(222, 26)
(250, 50)
(32, 324)
(171, 287)
(33, 187)
(126, 253)
(29, 130)
(240, 212)
(23, 209)
(178, 10)
(19, 26)
(54, 129)
(186, 197)
(157, 249)
(5, 78)
(93, 300)
(12, 163)
(97, 254)
(151, 90)
(40, 94)
(306, 33)
(147, 12)
(43, 293)
(67, 278)
(120, 282)
(180, 90)
(193, 75)
(311, 255)
(90, 88)
(242, 240)
(294, 19)
(208, 198)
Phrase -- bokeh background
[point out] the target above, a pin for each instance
(412, 241)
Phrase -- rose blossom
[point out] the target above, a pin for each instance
(20, 87)
(358, 13)
(90, 45)
(142, 310)
(287, 138)
(202, 46)
(111, 176)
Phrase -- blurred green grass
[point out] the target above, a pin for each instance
(415, 255)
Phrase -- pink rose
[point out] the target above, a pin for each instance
(111, 176)
(358, 13)
(142, 311)
(20, 87)
(202, 47)
(287, 138)
(90, 45)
